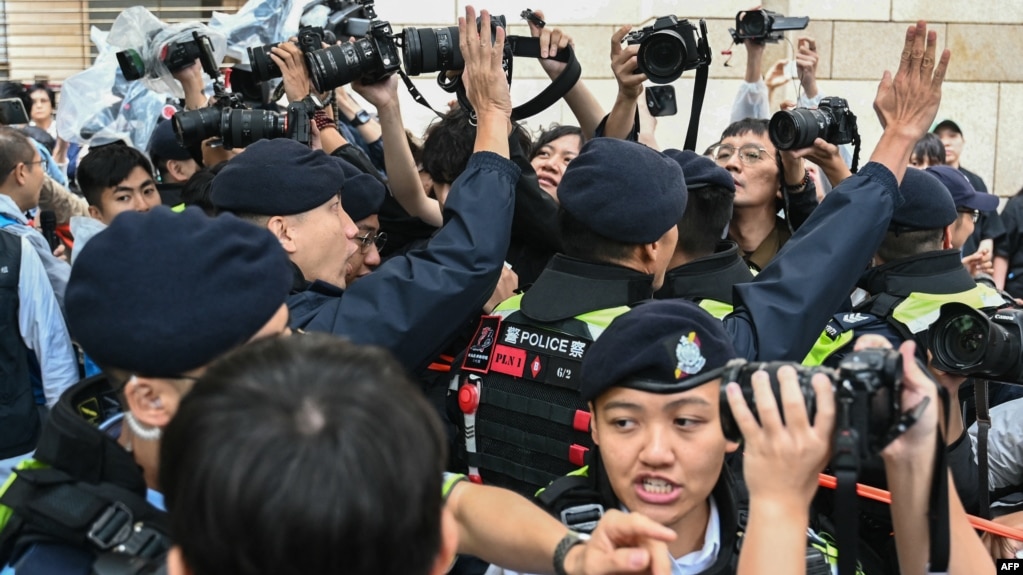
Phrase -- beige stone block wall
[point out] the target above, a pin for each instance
(856, 42)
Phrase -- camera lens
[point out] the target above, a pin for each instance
(662, 56)
(961, 342)
(131, 64)
(263, 67)
(242, 127)
(197, 125)
(431, 50)
(794, 129)
(754, 24)
(341, 64)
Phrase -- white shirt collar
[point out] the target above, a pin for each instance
(702, 559)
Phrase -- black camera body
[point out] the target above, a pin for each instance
(369, 59)
(832, 121)
(669, 47)
(870, 381)
(349, 19)
(175, 55)
(966, 341)
(764, 26)
(309, 39)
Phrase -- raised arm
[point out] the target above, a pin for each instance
(402, 175)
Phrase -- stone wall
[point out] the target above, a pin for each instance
(856, 40)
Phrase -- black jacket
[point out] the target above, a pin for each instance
(710, 277)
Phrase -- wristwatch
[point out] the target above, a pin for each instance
(570, 540)
(361, 117)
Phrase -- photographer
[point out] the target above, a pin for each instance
(778, 491)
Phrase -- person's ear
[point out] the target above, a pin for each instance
(174, 168)
(448, 551)
(148, 400)
(176, 562)
(946, 240)
(282, 229)
(593, 424)
(95, 213)
(21, 173)
(732, 446)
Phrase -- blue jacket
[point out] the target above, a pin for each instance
(780, 314)
(412, 304)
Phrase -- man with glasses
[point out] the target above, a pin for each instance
(413, 303)
(21, 181)
(766, 180)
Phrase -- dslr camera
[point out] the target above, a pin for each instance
(175, 55)
(670, 47)
(832, 121)
(310, 39)
(764, 26)
(869, 381)
(369, 59)
(965, 341)
(343, 19)
(237, 127)
(426, 50)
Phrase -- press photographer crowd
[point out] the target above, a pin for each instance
(252, 324)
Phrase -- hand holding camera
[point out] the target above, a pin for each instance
(784, 451)
(486, 85)
(551, 41)
(290, 60)
(625, 67)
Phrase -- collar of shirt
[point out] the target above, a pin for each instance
(702, 559)
(10, 209)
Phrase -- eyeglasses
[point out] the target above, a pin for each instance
(749, 154)
(39, 161)
(380, 239)
(974, 214)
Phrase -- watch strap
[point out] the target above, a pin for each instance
(361, 117)
(570, 540)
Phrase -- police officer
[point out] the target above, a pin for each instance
(618, 238)
(653, 383)
(413, 303)
(705, 267)
(153, 299)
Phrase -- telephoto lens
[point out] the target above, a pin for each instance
(263, 67)
(966, 341)
(196, 125)
(239, 128)
(431, 50)
(795, 129)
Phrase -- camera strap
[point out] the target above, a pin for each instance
(523, 47)
(699, 91)
(980, 389)
(845, 463)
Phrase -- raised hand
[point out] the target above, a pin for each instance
(485, 83)
(908, 102)
(552, 41)
(625, 64)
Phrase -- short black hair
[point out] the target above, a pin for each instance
(448, 146)
(708, 211)
(579, 241)
(106, 166)
(45, 88)
(755, 126)
(904, 244)
(197, 190)
(930, 147)
(15, 147)
(305, 454)
(553, 132)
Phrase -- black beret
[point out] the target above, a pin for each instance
(161, 293)
(164, 144)
(963, 193)
(623, 191)
(928, 204)
(363, 194)
(278, 177)
(701, 171)
(662, 346)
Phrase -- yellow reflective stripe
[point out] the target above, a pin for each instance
(6, 512)
(826, 346)
(450, 480)
(918, 311)
(600, 319)
(718, 309)
(179, 208)
(583, 471)
(509, 305)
